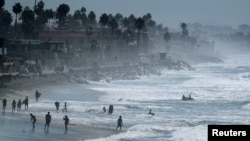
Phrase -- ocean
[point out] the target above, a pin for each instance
(221, 95)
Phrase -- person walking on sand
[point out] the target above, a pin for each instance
(33, 119)
(26, 103)
(13, 105)
(19, 104)
(66, 121)
(4, 104)
(119, 123)
(47, 121)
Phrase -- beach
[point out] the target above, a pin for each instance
(14, 127)
(17, 125)
(214, 88)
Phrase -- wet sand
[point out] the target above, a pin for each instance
(17, 126)
(14, 127)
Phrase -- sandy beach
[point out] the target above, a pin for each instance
(14, 127)
(17, 125)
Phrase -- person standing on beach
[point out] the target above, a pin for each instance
(66, 121)
(119, 123)
(47, 121)
(19, 104)
(4, 104)
(13, 105)
(33, 119)
(26, 103)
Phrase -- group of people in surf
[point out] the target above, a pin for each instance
(16, 105)
(119, 120)
(48, 117)
(64, 109)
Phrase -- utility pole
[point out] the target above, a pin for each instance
(29, 50)
(35, 5)
(81, 49)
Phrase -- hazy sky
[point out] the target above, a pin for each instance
(168, 12)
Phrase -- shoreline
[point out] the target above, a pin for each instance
(26, 87)
(22, 86)
(20, 128)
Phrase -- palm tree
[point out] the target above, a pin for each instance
(92, 18)
(139, 24)
(152, 25)
(28, 19)
(41, 17)
(50, 14)
(61, 13)
(83, 10)
(6, 19)
(147, 17)
(125, 22)
(167, 37)
(131, 20)
(17, 9)
(104, 21)
(2, 2)
(39, 8)
(118, 17)
(76, 17)
(114, 25)
(84, 18)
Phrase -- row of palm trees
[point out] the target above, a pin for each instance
(34, 20)
(37, 19)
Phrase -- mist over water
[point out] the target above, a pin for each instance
(220, 92)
